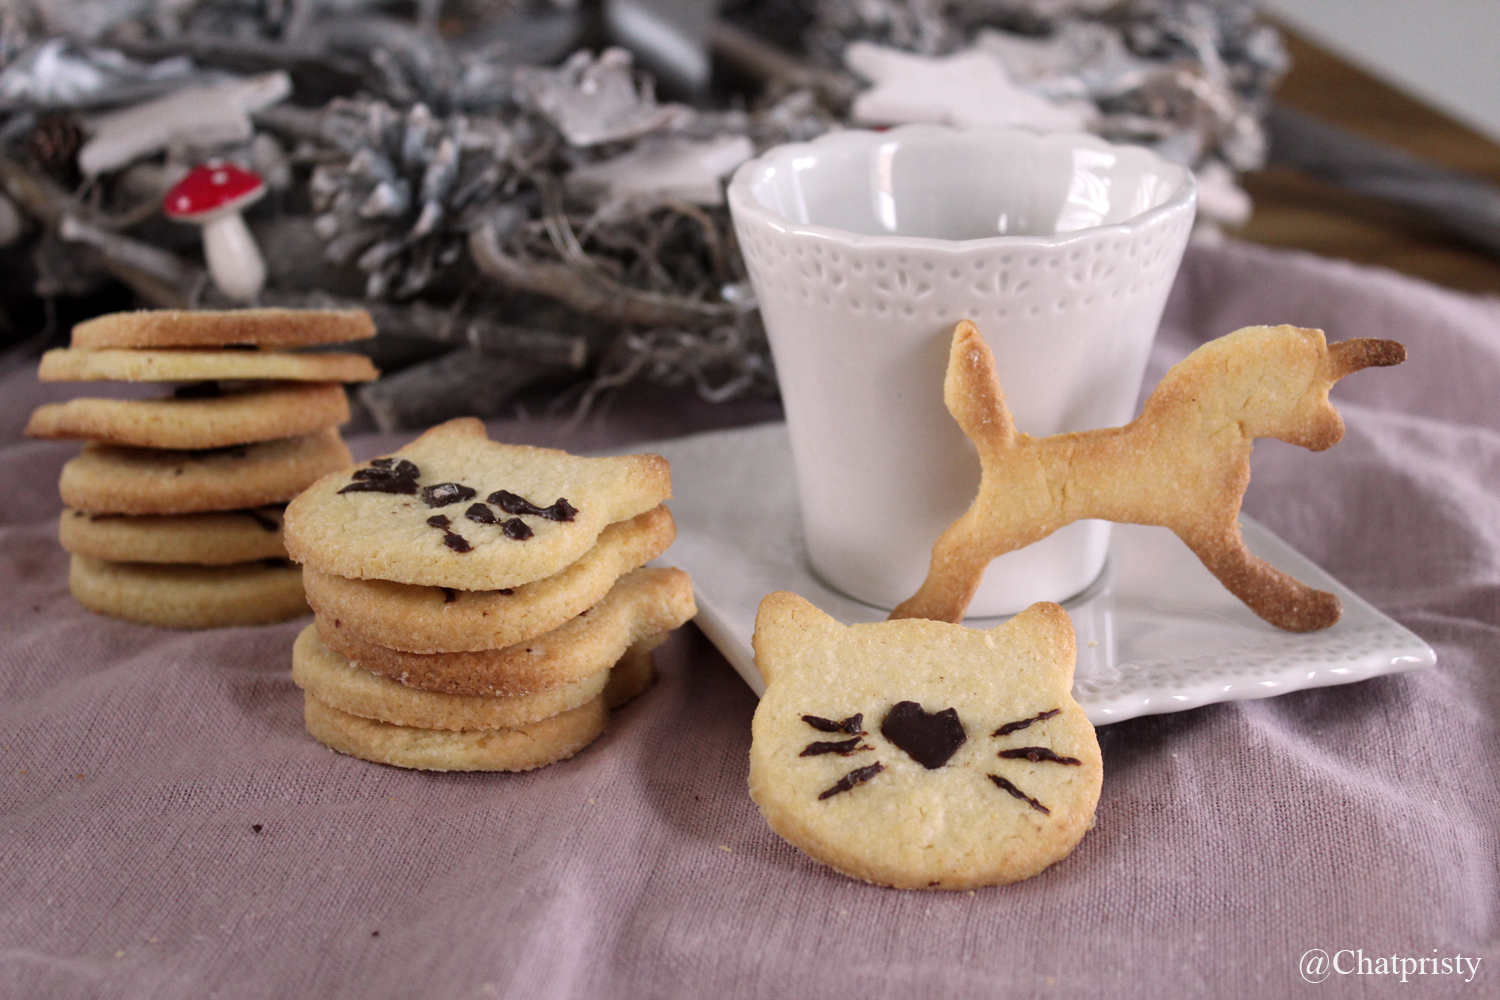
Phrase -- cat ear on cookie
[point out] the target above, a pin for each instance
(1048, 630)
(458, 427)
(783, 624)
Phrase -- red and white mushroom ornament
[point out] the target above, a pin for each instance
(212, 195)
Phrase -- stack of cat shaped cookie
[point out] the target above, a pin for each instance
(480, 606)
(173, 509)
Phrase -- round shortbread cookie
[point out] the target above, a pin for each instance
(434, 620)
(641, 604)
(214, 539)
(521, 749)
(262, 327)
(339, 684)
(455, 509)
(179, 596)
(633, 673)
(257, 413)
(919, 754)
(105, 479)
(178, 365)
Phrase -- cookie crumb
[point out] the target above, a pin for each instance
(726, 848)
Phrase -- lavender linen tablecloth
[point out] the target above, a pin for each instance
(169, 830)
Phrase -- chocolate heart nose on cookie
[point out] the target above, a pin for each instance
(480, 605)
(175, 503)
(928, 738)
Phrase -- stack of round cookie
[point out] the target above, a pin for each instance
(480, 606)
(173, 509)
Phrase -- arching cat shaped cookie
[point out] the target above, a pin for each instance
(918, 754)
(1182, 464)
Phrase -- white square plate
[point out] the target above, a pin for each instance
(1157, 633)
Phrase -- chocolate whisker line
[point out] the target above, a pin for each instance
(451, 538)
(403, 467)
(1036, 754)
(444, 494)
(514, 528)
(841, 747)
(854, 725)
(385, 475)
(559, 510)
(858, 776)
(1013, 790)
(1013, 727)
(399, 486)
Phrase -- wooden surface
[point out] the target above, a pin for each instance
(1292, 210)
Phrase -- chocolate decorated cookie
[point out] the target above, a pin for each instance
(455, 509)
(918, 754)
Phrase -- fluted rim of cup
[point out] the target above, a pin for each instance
(742, 202)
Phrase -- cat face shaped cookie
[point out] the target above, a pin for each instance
(918, 754)
(455, 509)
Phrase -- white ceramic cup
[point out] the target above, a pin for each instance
(866, 248)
